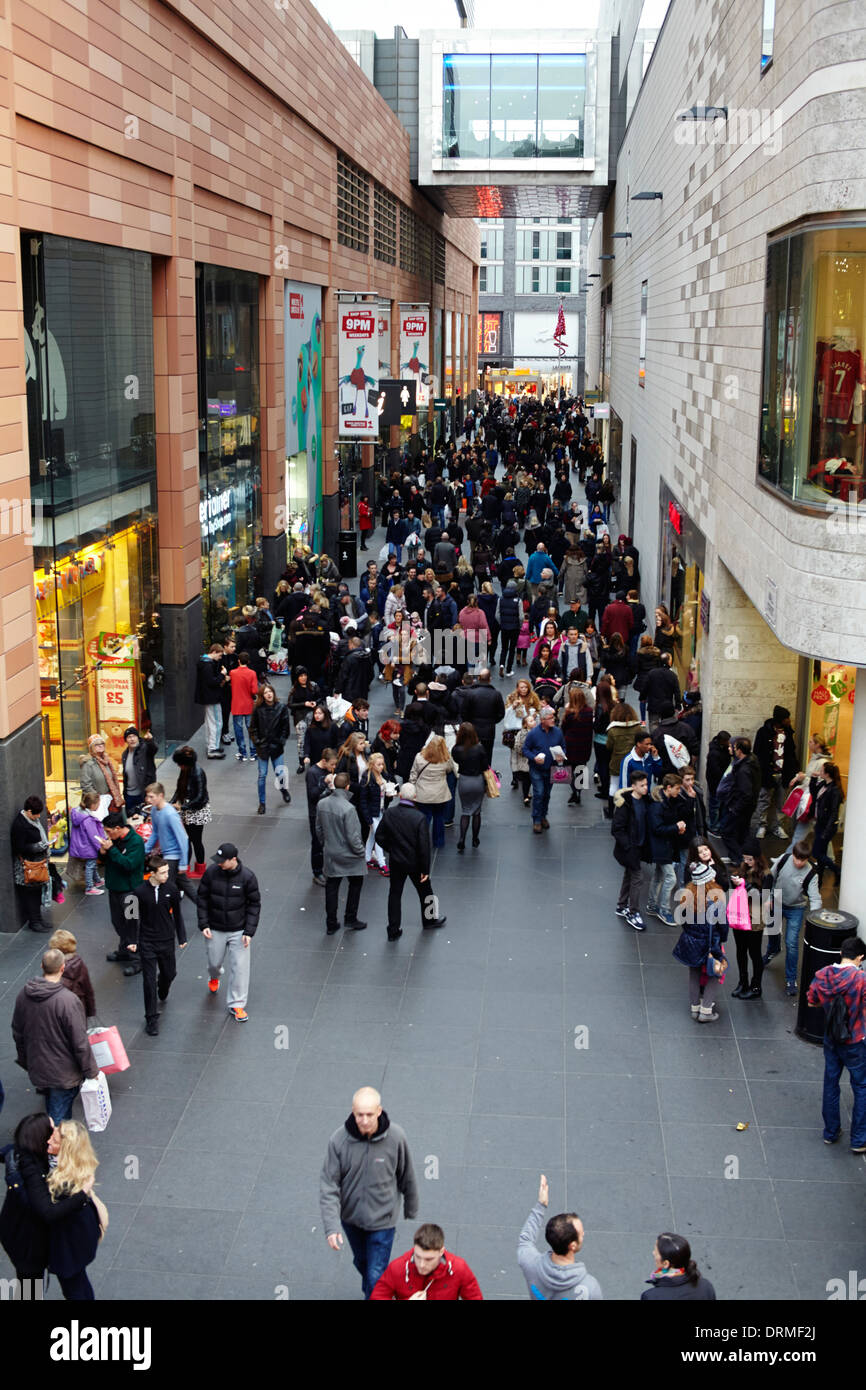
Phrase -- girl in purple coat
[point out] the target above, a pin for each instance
(85, 840)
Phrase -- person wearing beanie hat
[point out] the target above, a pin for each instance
(138, 763)
(702, 910)
(776, 751)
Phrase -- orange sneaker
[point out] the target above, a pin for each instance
(240, 1014)
(213, 985)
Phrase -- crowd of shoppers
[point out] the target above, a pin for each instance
(382, 800)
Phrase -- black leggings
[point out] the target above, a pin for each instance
(525, 783)
(195, 836)
(748, 945)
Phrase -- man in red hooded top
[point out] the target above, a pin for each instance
(427, 1271)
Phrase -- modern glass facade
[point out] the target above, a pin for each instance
(230, 477)
(812, 413)
(88, 319)
(513, 106)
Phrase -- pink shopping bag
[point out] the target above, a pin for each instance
(108, 1051)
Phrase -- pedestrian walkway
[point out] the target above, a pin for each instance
(535, 1033)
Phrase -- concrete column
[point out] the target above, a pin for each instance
(852, 890)
(177, 480)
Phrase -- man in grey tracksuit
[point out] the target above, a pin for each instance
(367, 1168)
(555, 1276)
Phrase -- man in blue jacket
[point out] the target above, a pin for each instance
(538, 561)
(543, 747)
(169, 835)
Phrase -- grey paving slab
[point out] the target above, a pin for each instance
(726, 1207)
(715, 1151)
(614, 1146)
(177, 1240)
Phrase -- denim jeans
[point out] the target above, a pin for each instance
(279, 769)
(793, 920)
(241, 725)
(213, 723)
(58, 1102)
(90, 874)
(836, 1057)
(540, 778)
(371, 1251)
(436, 817)
(712, 809)
(662, 883)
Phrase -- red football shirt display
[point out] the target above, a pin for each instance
(838, 372)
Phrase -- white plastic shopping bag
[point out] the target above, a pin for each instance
(97, 1103)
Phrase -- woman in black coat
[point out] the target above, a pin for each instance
(270, 726)
(387, 742)
(828, 804)
(676, 1276)
(29, 1214)
(192, 801)
(29, 841)
(321, 734)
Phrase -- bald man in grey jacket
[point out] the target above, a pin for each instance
(367, 1168)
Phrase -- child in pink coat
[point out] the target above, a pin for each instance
(524, 637)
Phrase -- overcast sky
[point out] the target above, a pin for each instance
(383, 15)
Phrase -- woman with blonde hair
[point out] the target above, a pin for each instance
(430, 775)
(352, 758)
(374, 798)
(74, 1242)
(522, 701)
(99, 774)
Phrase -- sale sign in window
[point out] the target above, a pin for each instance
(115, 690)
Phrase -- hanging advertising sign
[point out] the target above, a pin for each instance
(115, 689)
(415, 348)
(359, 370)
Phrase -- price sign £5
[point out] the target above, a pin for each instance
(116, 694)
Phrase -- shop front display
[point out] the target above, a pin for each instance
(91, 430)
(230, 480)
(813, 419)
(683, 561)
(303, 373)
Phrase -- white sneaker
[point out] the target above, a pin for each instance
(781, 834)
(761, 832)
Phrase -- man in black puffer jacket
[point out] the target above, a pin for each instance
(229, 904)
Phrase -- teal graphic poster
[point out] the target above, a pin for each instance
(303, 359)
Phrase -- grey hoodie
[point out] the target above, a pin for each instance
(547, 1281)
(362, 1179)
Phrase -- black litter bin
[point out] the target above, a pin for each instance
(347, 551)
(825, 931)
